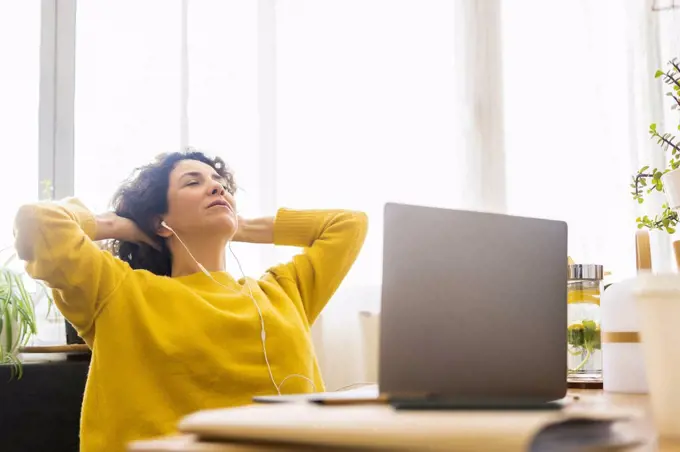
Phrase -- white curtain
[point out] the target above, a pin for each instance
(127, 96)
(580, 94)
(367, 110)
(570, 137)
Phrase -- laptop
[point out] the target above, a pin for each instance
(473, 308)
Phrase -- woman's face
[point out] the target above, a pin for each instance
(198, 201)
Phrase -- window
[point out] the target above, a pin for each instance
(127, 104)
(222, 89)
(137, 96)
(222, 98)
(367, 110)
(568, 125)
(19, 94)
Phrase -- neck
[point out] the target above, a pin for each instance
(209, 252)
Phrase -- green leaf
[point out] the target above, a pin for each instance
(589, 324)
(670, 230)
(658, 73)
(645, 168)
(652, 127)
(640, 200)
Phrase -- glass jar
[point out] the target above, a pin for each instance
(584, 347)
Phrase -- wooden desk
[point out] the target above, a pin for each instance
(514, 429)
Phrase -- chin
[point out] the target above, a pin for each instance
(224, 225)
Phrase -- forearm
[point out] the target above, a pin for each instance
(106, 227)
(258, 230)
(332, 241)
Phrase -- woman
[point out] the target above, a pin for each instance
(171, 332)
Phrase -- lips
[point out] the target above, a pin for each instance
(219, 202)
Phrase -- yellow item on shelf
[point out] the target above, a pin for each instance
(584, 296)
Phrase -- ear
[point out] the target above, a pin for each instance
(161, 230)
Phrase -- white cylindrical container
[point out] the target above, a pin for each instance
(671, 187)
(658, 301)
(623, 367)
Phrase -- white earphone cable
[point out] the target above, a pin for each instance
(263, 334)
(165, 225)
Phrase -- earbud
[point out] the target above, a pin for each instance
(165, 225)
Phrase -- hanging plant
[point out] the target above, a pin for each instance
(647, 181)
(17, 315)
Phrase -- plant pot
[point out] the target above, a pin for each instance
(671, 186)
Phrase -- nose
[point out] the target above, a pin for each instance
(217, 189)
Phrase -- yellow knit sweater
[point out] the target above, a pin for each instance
(165, 347)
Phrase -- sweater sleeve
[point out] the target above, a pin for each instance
(56, 241)
(331, 239)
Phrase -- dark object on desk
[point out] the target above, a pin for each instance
(434, 404)
(41, 411)
(71, 334)
(583, 434)
(585, 385)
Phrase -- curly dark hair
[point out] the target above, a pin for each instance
(143, 198)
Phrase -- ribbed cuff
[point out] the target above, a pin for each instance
(298, 227)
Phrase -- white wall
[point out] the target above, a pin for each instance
(339, 339)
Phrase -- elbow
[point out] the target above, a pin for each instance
(27, 226)
(362, 220)
(348, 226)
(359, 221)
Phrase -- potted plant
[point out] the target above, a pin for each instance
(666, 179)
(17, 314)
